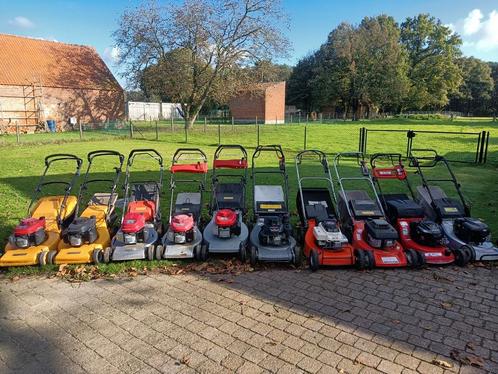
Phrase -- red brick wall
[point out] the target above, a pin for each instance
(268, 104)
(61, 104)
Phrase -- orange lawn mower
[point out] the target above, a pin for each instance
(323, 241)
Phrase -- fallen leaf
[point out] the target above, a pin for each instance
(441, 363)
(447, 305)
(470, 346)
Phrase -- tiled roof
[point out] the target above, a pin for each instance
(25, 61)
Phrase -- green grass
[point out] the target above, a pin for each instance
(21, 165)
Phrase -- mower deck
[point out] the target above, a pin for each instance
(138, 251)
(229, 245)
(173, 250)
(283, 253)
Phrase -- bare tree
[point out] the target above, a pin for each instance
(199, 49)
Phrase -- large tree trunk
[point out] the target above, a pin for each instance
(189, 122)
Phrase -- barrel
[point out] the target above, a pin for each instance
(51, 125)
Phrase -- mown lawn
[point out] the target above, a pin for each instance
(21, 165)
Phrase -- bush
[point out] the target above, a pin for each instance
(426, 117)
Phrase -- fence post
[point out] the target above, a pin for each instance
(306, 132)
(131, 129)
(257, 129)
(186, 134)
(219, 133)
(81, 130)
(171, 123)
(233, 123)
(205, 124)
(291, 119)
(17, 132)
(321, 117)
(157, 132)
(299, 118)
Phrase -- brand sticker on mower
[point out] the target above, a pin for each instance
(367, 213)
(227, 197)
(450, 209)
(323, 202)
(271, 206)
(433, 254)
(390, 260)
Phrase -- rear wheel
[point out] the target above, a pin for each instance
(41, 258)
(412, 258)
(150, 253)
(97, 256)
(421, 259)
(51, 256)
(253, 256)
(470, 253)
(297, 256)
(360, 259)
(159, 252)
(243, 252)
(314, 262)
(107, 255)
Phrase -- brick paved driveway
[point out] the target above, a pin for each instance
(271, 320)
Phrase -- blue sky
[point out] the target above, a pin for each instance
(92, 22)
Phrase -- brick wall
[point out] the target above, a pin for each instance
(60, 104)
(267, 103)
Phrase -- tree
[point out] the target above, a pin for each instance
(197, 50)
(298, 90)
(433, 72)
(265, 71)
(474, 94)
(494, 95)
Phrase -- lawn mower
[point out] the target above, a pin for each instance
(469, 238)
(271, 237)
(363, 220)
(226, 232)
(85, 239)
(40, 233)
(141, 225)
(183, 238)
(414, 229)
(323, 241)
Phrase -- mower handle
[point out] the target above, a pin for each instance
(104, 152)
(189, 151)
(322, 157)
(62, 156)
(414, 159)
(145, 151)
(230, 146)
(391, 156)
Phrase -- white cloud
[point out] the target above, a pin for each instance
(21, 21)
(489, 38)
(111, 54)
(472, 23)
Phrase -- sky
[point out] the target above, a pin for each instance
(91, 22)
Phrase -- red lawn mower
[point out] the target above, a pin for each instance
(363, 220)
(323, 241)
(415, 231)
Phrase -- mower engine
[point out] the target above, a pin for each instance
(29, 232)
(181, 229)
(471, 230)
(226, 224)
(427, 233)
(81, 230)
(328, 235)
(380, 234)
(132, 228)
(274, 231)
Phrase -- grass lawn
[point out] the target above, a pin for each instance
(21, 165)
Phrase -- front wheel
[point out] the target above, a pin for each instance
(159, 252)
(253, 258)
(97, 256)
(203, 252)
(150, 253)
(51, 256)
(41, 258)
(314, 262)
(462, 257)
(360, 259)
(107, 255)
(243, 252)
(412, 258)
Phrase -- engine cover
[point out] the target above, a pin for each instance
(226, 224)
(471, 230)
(427, 233)
(133, 222)
(274, 231)
(181, 229)
(29, 232)
(82, 230)
(380, 234)
(328, 235)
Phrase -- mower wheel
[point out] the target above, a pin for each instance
(370, 260)
(253, 256)
(421, 259)
(243, 252)
(98, 256)
(41, 258)
(51, 256)
(470, 253)
(159, 252)
(314, 262)
(150, 253)
(412, 258)
(361, 259)
(203, 253)
(107, 255)
(298, 257)
(462, 257)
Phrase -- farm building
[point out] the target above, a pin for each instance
(266, 101)
(42, 80)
